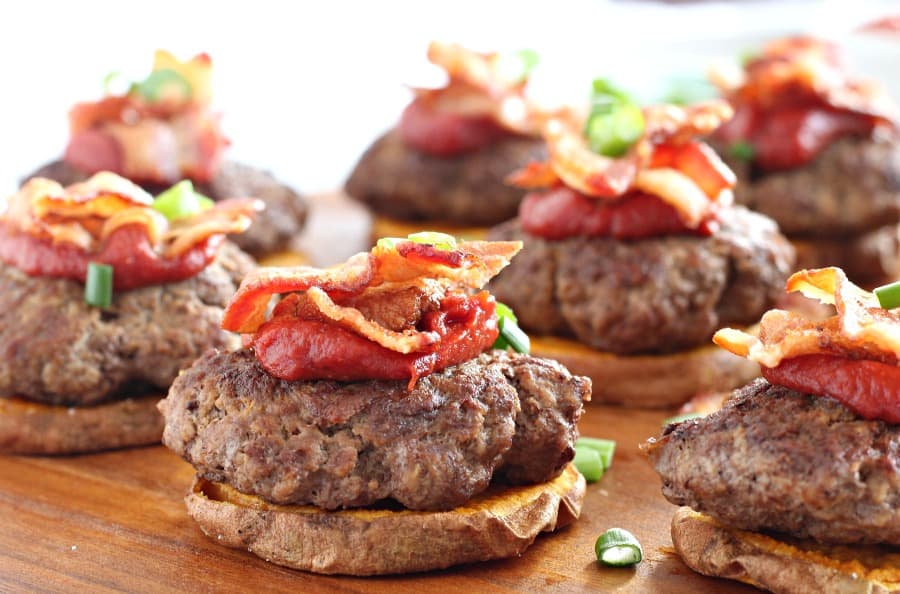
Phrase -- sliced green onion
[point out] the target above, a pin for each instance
(681, 418)
(440, 241)
(505, 311)
(513, 336)
(181, 201)
(618, 548)
(98, 285)
(516, 67)
(605, 448)
(589, 463)
(162, 84)
(748, 56)
(510, 333)
(743, 150)
(115, 83)
(388, 242)
(615, 122)
(889, 295)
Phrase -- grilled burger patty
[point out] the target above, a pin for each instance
(851, 188)
(777, 460)
(56, 349)
(397, 181)
(659, 294)
(337, 445)
(272, 229)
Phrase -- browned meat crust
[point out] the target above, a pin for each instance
(397, 181)
(776, 460)
(340, 445)
(655, 295)
(851, 188)
(56, 349)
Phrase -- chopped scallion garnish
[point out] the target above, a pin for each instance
(510, 334)
(440, 241)
(162, 84)
(618, 548)
(98, 285)
(889, 295)
(588, 462)
(605, 448)
(743, 150)
(181, 201)
(615, 122)
(516, 66)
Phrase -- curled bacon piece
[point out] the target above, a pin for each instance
(665, 162)
(74, 225)
(376, 276)
(479, 87)
(860, 330)
(152, 136)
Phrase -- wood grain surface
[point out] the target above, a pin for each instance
(116, 522)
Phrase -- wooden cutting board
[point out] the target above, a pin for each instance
(116, 522)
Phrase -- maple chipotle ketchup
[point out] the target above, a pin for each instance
(563, 212)
(127, 250)
(292, 348)
(444, 133)
(869, 388)
(789, 137)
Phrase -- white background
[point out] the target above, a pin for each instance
(304, 87)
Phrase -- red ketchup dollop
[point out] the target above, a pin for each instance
(292, 348)
(443, 133)
(871, 389)
(563, 212)
(789, 137)
(127, 249)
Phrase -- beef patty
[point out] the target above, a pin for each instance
(54, 348)
(397, 181)
(660, 294)
(272, 229)
(778, 460)
(851, 188)
(339, 445)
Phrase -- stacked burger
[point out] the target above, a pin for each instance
(817, 150)
(163, 130)
(442, 167)
(367, 427)
(634, 254)
(793, 484)
(104, 300)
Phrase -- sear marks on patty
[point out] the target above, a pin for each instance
(852, 187)
(339, 445)
(397, 181)
(660, 294)
(777, 460)
(272, 229)
(54, 348)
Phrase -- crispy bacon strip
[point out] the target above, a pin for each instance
(797, 69)
(860, 330)
(404, 265)
(478, 87)
(690, 177)
(87, 213)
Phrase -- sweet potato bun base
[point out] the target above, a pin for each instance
(390, 227)
(798, 566)
(500, 522)
(649, 381)
(33, 428)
